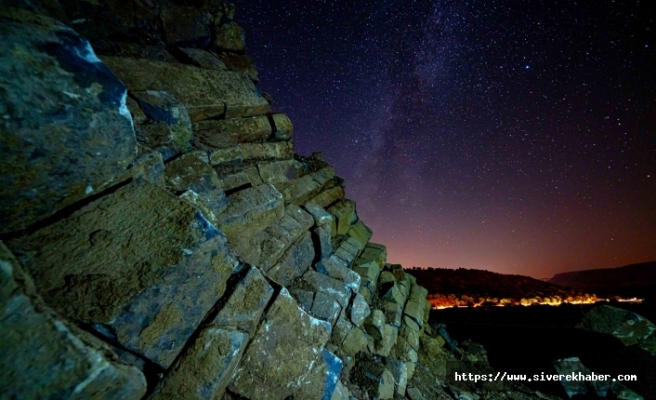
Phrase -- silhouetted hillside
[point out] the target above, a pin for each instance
(464, 286)
(634, 279)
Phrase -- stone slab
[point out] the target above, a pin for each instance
(283, 350)
(139, 265)
(205, 368)
(45, 357)
(206, 93)
(66, 129)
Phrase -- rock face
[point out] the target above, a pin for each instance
(66, 130)
(169, 233)
(146, 294)
(35, 341)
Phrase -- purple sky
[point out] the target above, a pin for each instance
(517, 137)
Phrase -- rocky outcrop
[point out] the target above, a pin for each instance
(162, 238)
(630, 328)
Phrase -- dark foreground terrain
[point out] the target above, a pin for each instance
(526, 340)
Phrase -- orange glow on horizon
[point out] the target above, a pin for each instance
(452, 302)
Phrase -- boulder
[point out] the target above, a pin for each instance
(139, 265)
(300, 190)
(205, 93)
(376, 252)
(149, 167)
(374, 324)
(283, 128)
(161, 107)
(244, 307)
(341, 392)
(330, 286)
(432, 345)
(389, 335)
(287, 343)
(441, 330)
(280, 171)
(344, 212)
(372, 376)
(336, 268)
(415, 311)
(354, 342)
(348, 251)
(359, 310)
(326, 308)
(322, 379)
(397, 271)
(296, 260)
(192, 175)
(418, 293)
(627, 326)
(411, 335)
(399, 371)
(368, 272)
(205, 368)
(411, 323)
(267, 247)
(250, 211)
(240, 179)
(230, 37)
(323, 238)
(361, 233)
(341, 330)
(394, 294)
(393, 313)
(321, 216)
(404, 352)
(386, 277)
(304, 298)
(66, 129)
(327, 197)
(45, 357)
(225, 133)
(266, 151)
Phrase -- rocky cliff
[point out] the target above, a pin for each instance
(160, 237)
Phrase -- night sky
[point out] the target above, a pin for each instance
(513, 136)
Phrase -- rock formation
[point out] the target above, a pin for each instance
(160, 237)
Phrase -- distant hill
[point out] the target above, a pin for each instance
(478, 286)
(634, 279)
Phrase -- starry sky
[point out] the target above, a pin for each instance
(513, 136)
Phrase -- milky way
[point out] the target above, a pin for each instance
(517, 137)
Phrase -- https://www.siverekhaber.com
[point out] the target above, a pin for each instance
(571, 377)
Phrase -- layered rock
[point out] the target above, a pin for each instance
(66, 130)
(162, 214)
(35, 341)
